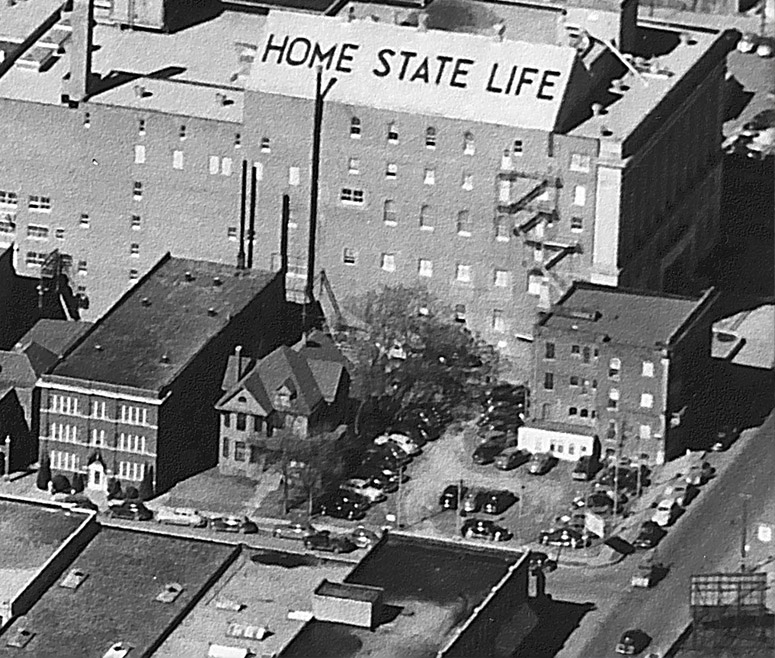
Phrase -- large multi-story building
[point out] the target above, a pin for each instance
(495, 154)
(133, 398)
(619, 371)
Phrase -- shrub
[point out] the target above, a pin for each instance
(78, 484)
(60, 484)
(44, 473)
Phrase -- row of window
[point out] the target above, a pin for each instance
(40, 232)
(35, 202)
(247, 422)
(614, 365)
(68, 405)
(646, 399)
(67, 433)
(216, 164)
(67, 461)
(142, 126)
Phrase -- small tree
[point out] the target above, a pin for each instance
(44, 473)
(60, 484)
(114, 488)
(131, 493)
(146, 486)
(78, 484)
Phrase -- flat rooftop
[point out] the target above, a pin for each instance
(634, 317)
(125, 571)
(429, 587)
(29, 535)
(266, 585)
(154, 331)
(747, 338)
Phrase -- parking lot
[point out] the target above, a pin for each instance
(447, 461)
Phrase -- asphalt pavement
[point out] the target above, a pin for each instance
(707, 539)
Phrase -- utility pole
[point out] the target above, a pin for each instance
(320, 95)
(744, 531)
(638, 464)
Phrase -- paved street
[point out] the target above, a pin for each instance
(705, 540)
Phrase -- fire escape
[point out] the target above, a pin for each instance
(531, 200)
(54, 284)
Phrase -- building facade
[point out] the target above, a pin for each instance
(133, 399)
(616, 371)
(442, 163)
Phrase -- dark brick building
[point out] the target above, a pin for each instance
(616, 370)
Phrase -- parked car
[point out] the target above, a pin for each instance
(487, 452)
(497, 502)
(363, 537)
(540, 561)
(401, 440)
(383, 482)
(649, 535)
(667, 512)
(79, 501)
(699, 474)
(484, 529)
(450, 496)
(541, 463)
(131, 511)
(338, 506)
(586, 468)
(363, 487)
(389, 452)
(683, 493)
(234, 524)
(298, 530)
(473, 501)
(575, 520)
(632, 642)
(564, 537)
(725, 437)
(412, 431)
(511, 458)
(325, 541)
(181, 516)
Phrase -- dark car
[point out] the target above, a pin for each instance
(132, 511)
(79, 501)
(379, 480)
(337, 506)
(451, 496)
(541, 463)
(473, 501)
(234, 524)
(511, 458)
(585, 469)
(564, 537)
(497, 502)
(325, 541)
(725, 437)
(487, 452)
(388, 452)
(540, 561)
(599, 502)
(632, 642)
(484, 529)
(649, 536)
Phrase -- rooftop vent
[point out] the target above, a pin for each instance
(579, 313)
(686, 39)
(618, 86)
(20, 635)
(139, 91)
(605, 131)
(422, 22)
(164, 358)
(170, 592)
(212, 312)
(98, 347)
(189, 276)
(145, 301)
(217, 281)
(499, 30)
(223, 99)
(74, 579)
(597, 109)
(119, 650)
(347, 603)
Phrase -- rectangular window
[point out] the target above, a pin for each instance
(355, 128)
(614, 367)
(646, 400)
(645, 431)
(430, 177)
(504, 191)
(132, 415)
(354, 166)
(131, 471)
(63, 404)
(430, 138)
(535, 283)
(647, 369)
(83, 267)
(389, 262)
(613, 398)
(576, 224)
(538, 253)
(464, 224)
(242, 422)
(392, 134)
(502, 279)
(460, 312)
(134, 250)
(139, 154)
(266, 145)
(134, 275)
(226, 419)
(549, 352)
(579, 195)
(98, 409)
(98, 438)
(231, 232)
(498, 321)
(585, 355)
(237, 140)
(575, 350)
(177, 159)
(215, 164)
(182, 132)
(518, 147)
(391, 170)
(294, 175)
(59, 234)
(226, 167)
(349, 256)
(137, 191)
(426, 218)
(136, 222)
(8, 223)
(240, 450)
(389, 215)
(549, 381)
(64, 461)
(469, 145)
(37, 232)
(502, 228)
(37, 203)
(84, 221)
(141, 127)
(225, 448)
(468, 181)
(351, 197)
(425, 267)
(573, 411)
(580, 162)
(463, 273)
(574, 380)
(9, 199)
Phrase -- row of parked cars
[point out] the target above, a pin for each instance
(474, 500)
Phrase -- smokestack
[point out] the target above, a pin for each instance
(82, 20)
(286, 218)
(243, 207)
(252, 226)
(238, 354)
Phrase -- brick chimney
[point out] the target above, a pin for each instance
(77, 86)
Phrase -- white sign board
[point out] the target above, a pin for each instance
(764, 533)
(594, 523)
(464, 76)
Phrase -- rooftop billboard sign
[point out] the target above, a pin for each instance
(463, 76)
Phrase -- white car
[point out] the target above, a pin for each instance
(181, 516)
(361, 486)
(667, 511)
(401, 440)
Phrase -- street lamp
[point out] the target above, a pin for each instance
(7, 458)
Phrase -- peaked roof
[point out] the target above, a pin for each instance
(41, 359)
(16, 370)
(54, 335)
